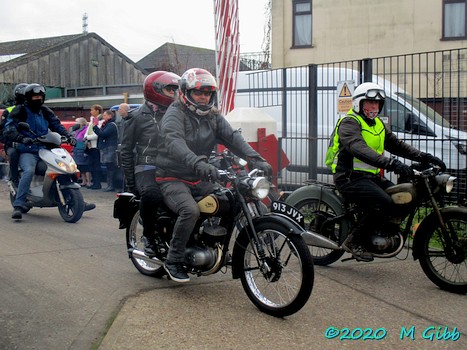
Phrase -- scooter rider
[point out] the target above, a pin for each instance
(12, 152)
(356, 156)
(140, 143)
(40, 118)
(191, 128)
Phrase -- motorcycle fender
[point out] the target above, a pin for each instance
(125, 208)
(317, 192)
(282, 220)
(427, 224)
(70, 185)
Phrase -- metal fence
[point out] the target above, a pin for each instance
(426, 106)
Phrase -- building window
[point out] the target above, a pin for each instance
(454, 19)
(301, 23)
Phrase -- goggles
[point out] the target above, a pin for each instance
(38, 90)
(373, 93)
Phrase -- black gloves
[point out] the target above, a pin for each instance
(206, 171)
(400, 168)
(27, 141)
(72, 141)
(430, 159)
(261, 164)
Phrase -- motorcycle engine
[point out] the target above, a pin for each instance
(200, 257)
(381, 243)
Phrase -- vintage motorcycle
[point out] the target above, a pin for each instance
(440, 231)
(269, 253)
(55, 180)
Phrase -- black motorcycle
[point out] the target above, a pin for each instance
(269, 253)
(439, 231)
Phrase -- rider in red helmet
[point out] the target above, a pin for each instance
(141, 136)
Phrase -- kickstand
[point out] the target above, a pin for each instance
(347, 259)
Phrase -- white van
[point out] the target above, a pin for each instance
(412, 120)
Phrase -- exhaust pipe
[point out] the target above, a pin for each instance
(139, 254)
(317, 240)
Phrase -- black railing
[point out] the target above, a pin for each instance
(426, 106)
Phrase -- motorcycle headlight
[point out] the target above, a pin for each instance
(260, 187)
(446, 181)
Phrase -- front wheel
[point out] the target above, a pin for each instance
(74, 205)
(446, 267)
(280, 284)
(316, 214)
(134, 232)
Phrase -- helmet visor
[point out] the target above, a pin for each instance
(373, 93)
(38, 90)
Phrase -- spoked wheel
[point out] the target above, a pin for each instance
(74, 205)
(446, 267)
(133, 240)
(316, 212)
(280, 284)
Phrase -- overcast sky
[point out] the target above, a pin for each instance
(135, 27)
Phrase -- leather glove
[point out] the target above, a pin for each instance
(431, 159)
(260, 164)
(72, 141)
(400, 168)
(27, 141)
(206, 171)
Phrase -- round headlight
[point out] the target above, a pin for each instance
(260, 188)
(446, 181)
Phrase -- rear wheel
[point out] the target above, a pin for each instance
(446, 267)
(74, 205)
(134, 232)
(316, 213)
(281, 283)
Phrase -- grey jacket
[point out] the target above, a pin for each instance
(190, 138)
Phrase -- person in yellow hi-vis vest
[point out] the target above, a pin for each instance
(356, 157)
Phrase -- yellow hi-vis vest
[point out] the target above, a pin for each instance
(373, 136)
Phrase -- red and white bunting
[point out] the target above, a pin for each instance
(227, 51)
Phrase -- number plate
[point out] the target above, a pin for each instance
(289, 211)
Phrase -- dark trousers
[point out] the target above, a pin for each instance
(178, 196)
(368, 192)
(150, 199)
(94, 162)
(13, 157)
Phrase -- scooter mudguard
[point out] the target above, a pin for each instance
(125, 207)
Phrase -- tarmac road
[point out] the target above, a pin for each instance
(61, 285)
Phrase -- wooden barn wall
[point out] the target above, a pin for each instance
(85, 63)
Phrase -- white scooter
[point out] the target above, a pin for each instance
(54, 183)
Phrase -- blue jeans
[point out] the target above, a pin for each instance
(27, 162)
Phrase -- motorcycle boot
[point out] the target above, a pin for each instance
(352, 246)
(17, 214)
(150, 248)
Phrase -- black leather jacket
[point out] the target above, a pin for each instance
(190, 138)
(140, 141)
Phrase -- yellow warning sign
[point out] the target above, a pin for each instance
(344, 96)
(345, 92)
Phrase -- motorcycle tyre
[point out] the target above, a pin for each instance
(307, 271)
(133, 240)
(424, 259)
(326, 256)
(73, 209)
